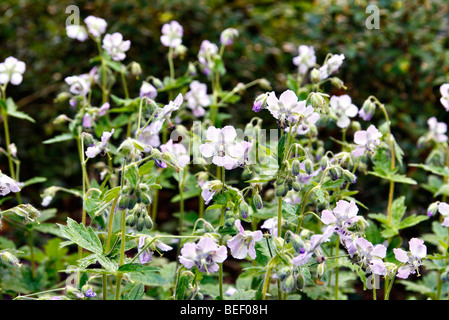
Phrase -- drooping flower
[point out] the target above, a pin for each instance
(222, 146)
(197, 98)
(90, 293)
(312, 247)
(11, 70)
(287, 109)
(147, 90)
(115, 46)
(87, 120)
(8, 185)
(169, 108)
(146, 254)
(206, 55)
(367, 140)
(305, 59)
(344, 109)
(172, 34)
(94, 150)
(260, 102)
(77, 32)
(271, 225)
(411, 259)
(331, 66)
(205, 255)
(444, 90)
(244, 242)
(208, 189)
(95, 26)
(371, 255)
(102, 110)
(437, 130)
(78, 85)
(443, 209)
(228, 35)
(178, 150)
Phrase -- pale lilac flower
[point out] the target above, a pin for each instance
(95, 26)
(221, 145)
(367, 140)
(371, 255)
(271, 225)
(443, 209)
(344, 109)
(230, 291)
(147, 90)
(307, 121)
(208, 189)
(412, 259)
(244, 242)
(147, 254)
(292, 198)
(305, 59)
(87, 121)
(93, 151)
(77, 32)
(78, 85)
(104, 107)
(172, 34)
(169, 108)
(260, 102)
(313, 247)
(437, 130)
(197, 98)
(115, 46)
(179, 152)
(206, 55)
(90, 293)
(205, 255)
(287, 108)
(444, 90)
(228, 35)
(343, 216)
(331, 66)
(13, 149)
(46, 201)
(150, 136)
(8, 185)
(11, 70)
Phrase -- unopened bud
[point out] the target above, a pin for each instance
(296, 167)
(257, 200)
(308, 166)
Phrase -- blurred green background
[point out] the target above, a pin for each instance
(402, 63)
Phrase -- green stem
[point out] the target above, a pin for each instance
(267, 278)
(387, 293)
(337, 270)
(220, 265)
(170, 63)
(280, 217)
(122, 253)
(31, 244)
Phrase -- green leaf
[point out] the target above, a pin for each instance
(146, 168)
(82, 236)
(438, 170)
(332, 184)
(136, 268)
(11, 109)
(132, 176)
(137, 292)
(60, 138)
(182, 287)
(34, 181)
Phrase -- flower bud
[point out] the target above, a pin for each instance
(349, 176)
(136, 69)
(335, 173)
(281, 191)
(257, 200)
(244, 209)
(367, 110)
(356, 126)
(296, 186)
(8, 258)
(315, 75)
(300, 281)
(308, 166)
(131, 220)
(433, 208)
(297, 243)
(148, 222)
(337, 82)
(289, 284)
(140, 224)
(296, 167)
(320, 269)
(123, 202)
(191, 69)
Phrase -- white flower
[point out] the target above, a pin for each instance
(93, 151)
(172, 34)
(206, 55)
(150, 136)
(331, 66)
(115, 46)
(96, 26)
(228, 35)
(147, 90)
(222, 147)
(243, 243)
(11, 70)
(8, 185)
(287, 108)
(178, 150)
(343, 108)
(367, 140)
(197, 98)
(77, 32)
(305, 59)
(443, 209)
(307, 121)
(444, 90)
(78, 85)
(437, 129)
(411, 259)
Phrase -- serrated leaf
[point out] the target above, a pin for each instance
(137, 292)
(82, 236)
(331, 184)
(438, 170)
(146, 168)
(12, 110)
(132, 176)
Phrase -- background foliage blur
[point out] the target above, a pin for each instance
(403, 63)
